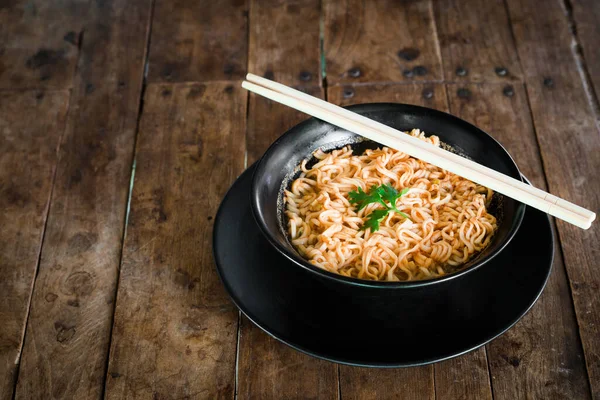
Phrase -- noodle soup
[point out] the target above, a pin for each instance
(384, 215)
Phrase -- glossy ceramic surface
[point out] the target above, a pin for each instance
(376, 326)
(281, 160)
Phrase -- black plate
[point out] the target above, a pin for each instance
(294, 306)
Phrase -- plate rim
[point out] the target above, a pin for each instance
(249, 172)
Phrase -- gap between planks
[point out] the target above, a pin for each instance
(131, 184)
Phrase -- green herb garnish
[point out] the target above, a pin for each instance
(385, 195)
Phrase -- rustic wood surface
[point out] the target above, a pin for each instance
(584, 17)
(27, 163)
(175, 331)
(273, 54)
(123, 123)
(202, 40)
(68, 332)
(40, 42)
(476, 41)
(380, 41)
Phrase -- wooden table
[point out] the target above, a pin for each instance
(123, 123)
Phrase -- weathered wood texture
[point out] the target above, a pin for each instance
(464, 377)
(28, 156)
(268, 120)
(267, 368)
(203, 40)
(175, 330)
(541, 356)
(431, 95)
(419, 382)
(39, 42)
(380, 41)
(568, 136)
(284, 41)
(382, 384)
(586, 15)
(68, 332)
(476, 41)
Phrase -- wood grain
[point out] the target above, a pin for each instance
(380, 41)
(198, 41)
(175, 330)
(39, 42)
(541, 356)
(431, 95)
(476, 41)
(28, 156)
(586, 15)
(382, 384)
(424, 382)
(267, 368)
(284, 41)
(68, 331)
(568, 137)
(464, 377)
(268, 120)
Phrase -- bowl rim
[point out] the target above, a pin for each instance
(299, 261)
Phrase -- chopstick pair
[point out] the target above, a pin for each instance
(427, 152)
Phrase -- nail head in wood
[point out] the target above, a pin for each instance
(305, 76)
(501, 71)
(354, 72)
(508, 91)
(427, 93)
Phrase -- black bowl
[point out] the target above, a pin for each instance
(279, 166)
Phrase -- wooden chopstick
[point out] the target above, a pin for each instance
(424, 151)
(586, 214)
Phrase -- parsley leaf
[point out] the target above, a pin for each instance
(383, 195)
(362, 199)
(374, 219)
(388, 193)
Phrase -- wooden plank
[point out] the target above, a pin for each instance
(200, 41)
(380, 41)
(465, 377)
(404, 383)
(568, 136)
(586, 15)
(541, 356)
(68, 331)
(28, 156)
(267, 368)
(431, 95)
(175, 330)
(268, 120)
(284, 41)
(476, 41)
(39, 42)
